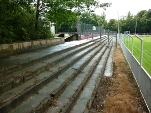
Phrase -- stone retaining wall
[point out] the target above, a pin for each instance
(8, 49)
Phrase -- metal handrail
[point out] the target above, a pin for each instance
(141, 55)
(132, 42)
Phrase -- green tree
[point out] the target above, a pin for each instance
(17, 20)
(67, 12)
(28, 19)
(112, 25)
(92, 18)
(141, 22)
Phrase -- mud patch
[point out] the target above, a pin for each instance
(118, 94)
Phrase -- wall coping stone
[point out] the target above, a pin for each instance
(9, 49)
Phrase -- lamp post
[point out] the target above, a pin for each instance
(118, 26)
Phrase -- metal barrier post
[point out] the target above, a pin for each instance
(108, 37)
(132, 43)
(100, 34)
(141, 55)
(116, 40)
(141, 62)
(92, 32)
(79, 30)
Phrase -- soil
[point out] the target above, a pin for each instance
(119, 93)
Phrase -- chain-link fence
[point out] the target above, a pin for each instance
(89, 31)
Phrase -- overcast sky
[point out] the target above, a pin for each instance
(123, 7)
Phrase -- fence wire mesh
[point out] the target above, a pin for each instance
(89, 31)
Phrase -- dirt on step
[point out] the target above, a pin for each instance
(118, 94)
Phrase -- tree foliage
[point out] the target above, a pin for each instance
(92, 18)
(22, 20)
(140, 22)
(17, 22)
(112, 25)
(66, 15)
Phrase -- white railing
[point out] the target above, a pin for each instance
(141, 76)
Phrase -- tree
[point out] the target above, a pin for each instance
(17, 20)
(143, 21)
(92, 18)
(28, 19)
(112, 25)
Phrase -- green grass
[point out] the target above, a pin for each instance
(137, 51)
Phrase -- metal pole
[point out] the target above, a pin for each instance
(141, 57)
(141, 54)
(100, 35)
(79, 30)
(92, 32)
(83, 28)
(118, 27)
(116, 40)
(132, 45)
(108, 37)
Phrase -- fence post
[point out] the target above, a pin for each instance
(79, 30)
(141, 54)
(92, 32)
(141, 60)
(100, 35)
(132, 45)
(132, 42)
(116, 40)
(108, 37)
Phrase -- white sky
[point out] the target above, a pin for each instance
(123, 7)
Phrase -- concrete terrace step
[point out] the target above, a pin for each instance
(20, 60)
(85, 99)
(109, 65)
(51, 89)
(16, 95)
(70, 95)
(39, 81)
(22, 75)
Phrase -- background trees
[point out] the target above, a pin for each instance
(142, 22)
(22, 20)
(17, 22)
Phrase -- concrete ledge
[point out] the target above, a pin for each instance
(72, 38)
(9, 49)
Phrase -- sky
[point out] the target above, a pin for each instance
(122, 7)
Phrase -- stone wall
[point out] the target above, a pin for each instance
(8, 49)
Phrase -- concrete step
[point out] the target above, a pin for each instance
(42, 80)
(109, 65)
(17, 95)
(54, 87)
(85, 99)
(22, 75)
(67, 99)
(24, 59)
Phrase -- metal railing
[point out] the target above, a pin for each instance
(141, 76)
(141, 53)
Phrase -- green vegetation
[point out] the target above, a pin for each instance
(137, 51)
(22, 20)
(18, 22)
(128, 22)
